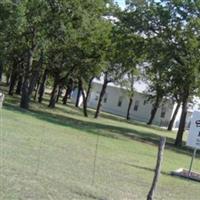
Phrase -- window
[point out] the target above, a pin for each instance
(120, 101)
(105, 98)
(190, 106)
(163, 112)
(96, 96)
(136, 105)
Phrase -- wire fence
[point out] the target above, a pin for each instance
(44, 159)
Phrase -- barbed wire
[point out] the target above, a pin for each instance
(1, 151)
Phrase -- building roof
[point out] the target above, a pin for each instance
(139, 85)
(142, 87)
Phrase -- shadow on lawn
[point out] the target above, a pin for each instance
(146, 168)
(110, 116)
(153, 170)
(99, 129)
(92, 126)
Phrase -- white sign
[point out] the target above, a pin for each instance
(194, 132)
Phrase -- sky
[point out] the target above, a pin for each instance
(121, 3)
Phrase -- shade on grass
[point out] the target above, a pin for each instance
(49, 154)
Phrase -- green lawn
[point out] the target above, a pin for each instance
(49, 155)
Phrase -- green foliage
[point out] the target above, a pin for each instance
(171, 30)
(83, 39)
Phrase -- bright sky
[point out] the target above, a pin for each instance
(121, 3)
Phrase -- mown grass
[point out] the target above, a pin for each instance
(50, 154)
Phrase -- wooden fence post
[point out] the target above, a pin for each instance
(158, 168)
(95, 159)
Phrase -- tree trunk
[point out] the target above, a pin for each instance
(129, 107)
(78, 95)
(85, 97)
(54, 93)
(36, 89)
(68, 91)
(19, 85)
(84, 104)
(89, 88)
(59, 93)
(65, 98)
(181, 129)
(33, 81)
(67, 94)
(13, 79)
(7, 78)
(171, 123)
(154, 110)
(35, 75)
(42, 86)
(103, 91)
(25, 98)
(1, 70)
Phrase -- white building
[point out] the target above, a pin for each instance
(116, 101)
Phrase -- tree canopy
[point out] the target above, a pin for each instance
(72, 42)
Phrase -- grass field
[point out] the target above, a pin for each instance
(50, 155)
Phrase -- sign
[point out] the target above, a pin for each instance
(194, 132)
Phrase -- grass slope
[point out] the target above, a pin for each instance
(49, 155)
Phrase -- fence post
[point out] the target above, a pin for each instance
(95, 159)
(158, 168)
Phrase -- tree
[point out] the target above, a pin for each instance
(184, 45)
(34, 35)
(74, 39)
(132, 45)
(70, 86)
(175, 25)
(131, 54)
(11, 53)
(128, 83)
(172, 120)
(1, 70)
(151, 26)
(61, 31)
(5, 12)
(42, 85)
(13, 77)
(121, 57)
(25, 36)
(80, 50)
(156, 76)
(92, 59)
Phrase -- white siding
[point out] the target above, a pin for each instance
(178, 117)
(74, 97)
(142, 114)
(113, 93)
